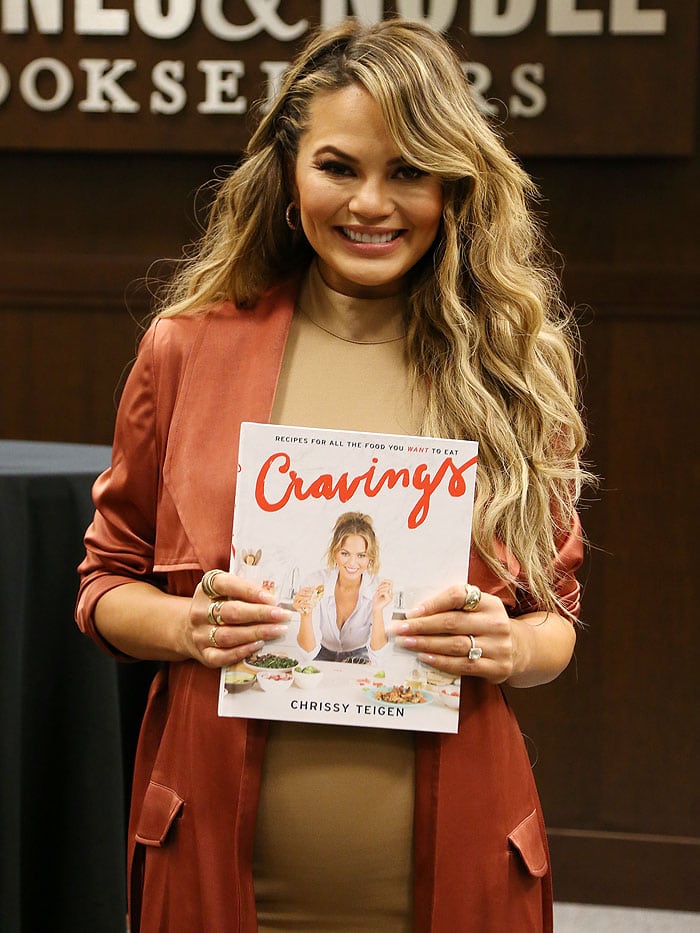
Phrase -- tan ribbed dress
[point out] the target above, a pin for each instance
(335, 822)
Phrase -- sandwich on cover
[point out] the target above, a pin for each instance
(349, 530)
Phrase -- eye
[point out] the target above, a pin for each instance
(409, 173)
(334, 167)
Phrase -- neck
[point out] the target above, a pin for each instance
(353, 319)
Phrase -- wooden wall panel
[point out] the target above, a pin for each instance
(616, 736)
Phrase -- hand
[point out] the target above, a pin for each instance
(248, 618)
(384, 595)
(305, 599)
(439, 629)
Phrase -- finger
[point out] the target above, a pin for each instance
(484, 668)
(237, 612)
(233, 636)
(231, 586)
(222, 657)
(454, 622)
(451, 598)
(438, 645)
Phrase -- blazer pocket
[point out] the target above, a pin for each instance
(526, 839)
(161, 806)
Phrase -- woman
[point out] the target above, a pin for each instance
(348, 601)
(372, 264)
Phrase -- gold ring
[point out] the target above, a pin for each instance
(472, 597)
(207, 587)
(212, 636)
(214, 613)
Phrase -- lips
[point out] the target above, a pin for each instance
(355, 236)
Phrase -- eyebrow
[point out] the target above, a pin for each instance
(333, 150)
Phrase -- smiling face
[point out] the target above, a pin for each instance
(367, 213)
(351, 558)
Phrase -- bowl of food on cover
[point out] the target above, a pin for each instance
(449, 696)
(308, 677)
(274, 681)
(237, 681)
(271, 661)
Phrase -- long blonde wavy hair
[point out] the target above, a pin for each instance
(487, 331)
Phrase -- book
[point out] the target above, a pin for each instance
(349, 530)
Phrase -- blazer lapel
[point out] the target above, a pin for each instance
(230, 376)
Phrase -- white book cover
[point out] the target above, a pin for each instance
(349, 530)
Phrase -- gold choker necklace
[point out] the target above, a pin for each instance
(366, 343)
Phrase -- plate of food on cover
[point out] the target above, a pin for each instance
(397, 695)
(271, 661)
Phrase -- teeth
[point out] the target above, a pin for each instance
(370, 237)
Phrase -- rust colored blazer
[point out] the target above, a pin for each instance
(164, 514)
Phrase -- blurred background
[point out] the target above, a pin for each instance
(104, 172)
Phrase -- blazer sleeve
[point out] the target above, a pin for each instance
(119, 543)
(566, 585)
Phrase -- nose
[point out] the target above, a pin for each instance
(371, 198)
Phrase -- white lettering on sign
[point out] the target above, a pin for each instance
(169, 95)
(5, 83)
(265, 12)
(527, 81)
(160, 19)
(564, 18)
(168, 19)
(479, 78)
(103, 93)
(365, 11)
(48, 16)
(63, 81)
(221, 87)
(160, 24)
(274, 72)
(487, 19)
(91, 19)
(440, 14)
(626, 19)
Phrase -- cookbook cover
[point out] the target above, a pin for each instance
(349, 530)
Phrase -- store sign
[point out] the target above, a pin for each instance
(562, 77)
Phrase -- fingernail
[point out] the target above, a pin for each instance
(265, 596)
(282, 614)
(397, 628)
(406, 642)
(427, 658)
(277, 630)
(416, 611)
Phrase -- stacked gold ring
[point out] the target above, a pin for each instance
(207, 584)
(214, 613)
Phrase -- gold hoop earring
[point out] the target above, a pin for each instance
(291, 215)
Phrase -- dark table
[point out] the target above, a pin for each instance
(68, 712)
